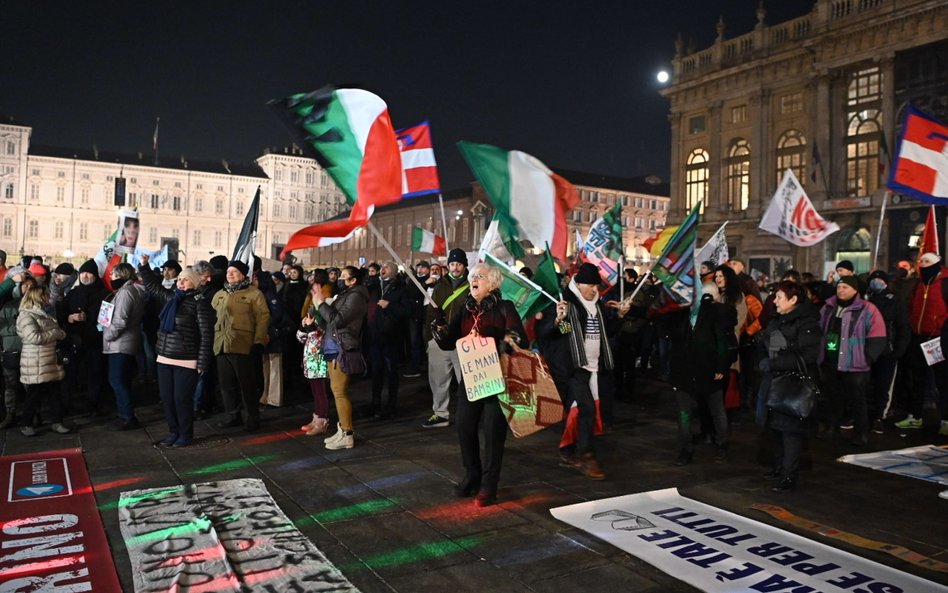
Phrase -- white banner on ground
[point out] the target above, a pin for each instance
(791, 215)
(928, 462)
(227, 536)
(720, 552)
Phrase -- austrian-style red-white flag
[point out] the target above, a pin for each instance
(792, 216)
(419, 169)
(920, 167)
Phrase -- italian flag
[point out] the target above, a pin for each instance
(531, 200)
(354, 141)
(427, 242)
(106, 259)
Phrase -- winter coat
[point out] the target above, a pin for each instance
(897, 329)
(9, 339)
(314, 363)
(280, 325)
(40, 334)
(498, 317)
(566, 352)
(441, 292)
(389, 323)
(57, 292)
(88, 299)
(701, 352)
(243, 319)
(193, 335)
(800, 336)
(344, 318)
(124, 334)
(862, 338)
(929, 306)
(294, 296)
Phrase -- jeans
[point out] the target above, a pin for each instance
(121, 369)
(788, 447)
(204, 390)
(176, 387)
(847, 390)
(579, 390)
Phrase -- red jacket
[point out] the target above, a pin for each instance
(928, 308)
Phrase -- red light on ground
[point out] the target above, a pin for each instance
(270, 438)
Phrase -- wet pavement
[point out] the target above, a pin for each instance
(384, 511)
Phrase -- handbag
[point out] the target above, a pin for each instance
(351, 362)
(793, 393)
(530, 401)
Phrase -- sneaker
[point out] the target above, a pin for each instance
(28, 431)
(60, 428)
(846, 424)
(943, 430)
(909, 422)
(435, 421)
(342, 440)
(312, 423)
(181, 443)
(320, 426)
(335, 436)
(877, 427)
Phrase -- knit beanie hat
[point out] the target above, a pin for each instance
(65, 269)
(587, 274)
(457, 255)
(240, 266)
(219, 262)
(190, 274)
(37, 269)
(90, 267)
(850, 281)
(846, 265)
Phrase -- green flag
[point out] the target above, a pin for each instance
(545, 274)
(527, 297)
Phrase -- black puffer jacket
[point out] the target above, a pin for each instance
(193, 334)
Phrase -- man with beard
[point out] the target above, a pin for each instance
(78, 314)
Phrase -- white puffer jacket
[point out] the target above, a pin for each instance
(39, 333)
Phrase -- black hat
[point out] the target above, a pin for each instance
(173, 264)
(422, 264)
(279, 276)
(89, 267)
(881, 275)
(587, 274)
(846, 265)
(851, 281)
(219, 262)
(457, 255)
(239, 266)
(65, 269)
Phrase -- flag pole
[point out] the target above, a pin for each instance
(444, 224)
(531, 283)
(400, 262)
(875, 252)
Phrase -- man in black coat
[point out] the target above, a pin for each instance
(78, 313)
(416, 320)
(388, 311)
(899, 333)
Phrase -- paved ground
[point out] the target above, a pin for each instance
(384, 513)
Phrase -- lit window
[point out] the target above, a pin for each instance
(791, 154)
(863, 131)
(696, 178)
(738, 175)
(791, 103)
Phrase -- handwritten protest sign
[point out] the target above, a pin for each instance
(480, 367)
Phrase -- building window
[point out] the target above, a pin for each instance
(34, 192)
(132, 200)
(791, 154)
(84, 196)
(465, 231)
(309, 178)
(863, 129)
(218, 238)
(240, 208)
(738, 114)
(638, 222)
(276, 211)
(199, 186)
(592, 216)
(60, 195)
(83, 231)
(738, 175)
(791, 103)
(308, 212)
(7, 227)
(292, 211)
(696, 125)
(696, 178)
(197, 238)
(294, 176)
(11, 147)
(34, 229)
(176, 203)
(155, 182)
(58, 230)
(154, 201)
(198, 204)
(218, 206)
(152, 235)
(278, 175)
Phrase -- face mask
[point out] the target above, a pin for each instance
(435, 276)
(876, 285)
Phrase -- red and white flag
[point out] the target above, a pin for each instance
(920, 167)
(419, 169)
(791, 215)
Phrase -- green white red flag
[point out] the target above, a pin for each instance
(531, 201)
(352, 138)
(427, 242)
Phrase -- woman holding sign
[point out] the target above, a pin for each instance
(485, 321)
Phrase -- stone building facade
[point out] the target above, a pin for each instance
(822, 95)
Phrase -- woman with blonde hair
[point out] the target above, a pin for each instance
(40, 370)
(485, 314)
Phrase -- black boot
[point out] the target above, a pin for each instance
(485, 497)
(786, 483)
(468, 486)
(774, 474)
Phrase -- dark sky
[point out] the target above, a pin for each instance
(570, 81)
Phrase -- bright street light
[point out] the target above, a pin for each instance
(662, 77)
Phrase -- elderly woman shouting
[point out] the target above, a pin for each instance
(485, 314)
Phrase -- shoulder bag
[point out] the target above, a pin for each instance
(793, 393)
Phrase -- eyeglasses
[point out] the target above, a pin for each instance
(478, 276)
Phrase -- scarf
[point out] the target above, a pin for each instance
(168, 313)
(590, 306)
(238, 286)
(929, 273)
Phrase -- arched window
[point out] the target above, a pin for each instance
(738, 174)
(791, 154)
(863, 125)
(696, 178)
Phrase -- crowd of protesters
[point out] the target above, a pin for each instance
(228, 334)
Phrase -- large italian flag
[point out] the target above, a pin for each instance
(354, 141)
(531, 200)
(427, 242)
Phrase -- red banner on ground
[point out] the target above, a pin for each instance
(51, 536)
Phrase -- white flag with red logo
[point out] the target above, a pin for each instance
(419, 169)
(792, 216)
(920, 168)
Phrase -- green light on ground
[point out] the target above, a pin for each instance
(196, 525)
(350, 512)
(130, 500)
(229, 465)
(417, 553)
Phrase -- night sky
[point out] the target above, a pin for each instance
(570, 81)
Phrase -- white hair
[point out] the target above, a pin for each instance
(489, 273)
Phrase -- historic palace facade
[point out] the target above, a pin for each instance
(822, 95)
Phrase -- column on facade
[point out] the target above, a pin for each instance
(715, 148)
(676, 183)
(761, 153)
(819, 110)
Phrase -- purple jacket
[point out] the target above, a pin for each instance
(862, 337)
